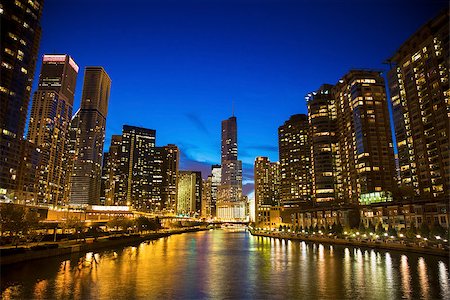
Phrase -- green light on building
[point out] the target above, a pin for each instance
(375, 197)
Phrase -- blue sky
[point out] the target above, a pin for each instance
(177, 66)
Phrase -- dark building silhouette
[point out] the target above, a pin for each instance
(86, 175)
(20, 36)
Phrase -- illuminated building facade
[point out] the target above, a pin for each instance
(140, 173)
(110, 172)
(169, 158)
(86, 175)
(216, 175)
(267, 181)
(206, 198)
(295, 166)
(51, 114)
(229, 193)
(419, 86)
(20, 36)
(189, 193)
(267, 184)
(365, 142)
(323, 133)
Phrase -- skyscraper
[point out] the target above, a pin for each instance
(189, 193)
(216, 175)
(111, 172)
(295, 167)
(419, 86)
(267, 183)
(169, 159)
(51, 114)
(324, 148)
(229, 193)
(85, 181)
(20, 36)
(365, 142)
(140, 173)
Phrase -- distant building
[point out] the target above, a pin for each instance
(267, 184)
(86, 175)
(189, 193)
(216, 175)
(295, 165)
(419, 86)
(365, 142)
(111, 173)
(229, 194)
(322, 117)
(19, 49)
(206, 198)
(51, 114)
(169, 159)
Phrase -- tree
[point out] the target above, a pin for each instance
(424, 229)
(339, 229)
(411, 232)
(16, 219)
(143, 223)
(392, 231)
(437, 230)
(371, 227)
(361, 227)
(380, 229)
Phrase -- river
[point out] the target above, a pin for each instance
(223, 264)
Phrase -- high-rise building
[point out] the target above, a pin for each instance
(51, 114)
(111, 173)
(365, 142)
(169, 158)
(189, 193)
(140, 172)
(216, 175)
(229, 193)
(419, 86)
(86, 175)
(206, 198)
(267, 183)
(295, 165)
(323, 135)
(20, 36)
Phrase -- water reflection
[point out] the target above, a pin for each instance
(229, 265)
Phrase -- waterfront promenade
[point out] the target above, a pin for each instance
(334, 240)
(31, 251)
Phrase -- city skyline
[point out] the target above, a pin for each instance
(250, 31)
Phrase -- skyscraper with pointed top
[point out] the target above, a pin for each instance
(229, 193)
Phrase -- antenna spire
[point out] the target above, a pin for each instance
(232, 107)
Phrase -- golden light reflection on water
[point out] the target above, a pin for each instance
(444, 280)
(423, 277)
(406, 277)
(230, 265)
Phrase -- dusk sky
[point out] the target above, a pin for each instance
(177, 66)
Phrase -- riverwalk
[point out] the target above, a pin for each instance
(352, 242)
(11, 255)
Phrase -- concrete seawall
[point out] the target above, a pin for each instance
(67, 249)
(352, 243)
